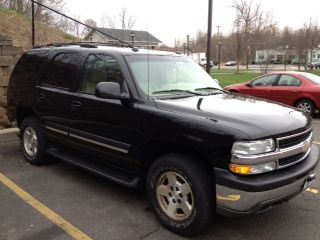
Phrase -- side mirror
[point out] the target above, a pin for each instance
(110, 90)
(249, 84)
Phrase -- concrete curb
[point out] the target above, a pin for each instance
(9, 130)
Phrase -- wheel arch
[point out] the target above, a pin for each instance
(156, 148)
(23, 112)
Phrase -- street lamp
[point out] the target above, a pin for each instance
(285, 58)
(184, 48)
(132, 38)
(248, 53)
(219, 55)
(188, 37)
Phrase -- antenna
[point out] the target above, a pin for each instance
(75, 20)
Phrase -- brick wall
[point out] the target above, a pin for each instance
(9, 55)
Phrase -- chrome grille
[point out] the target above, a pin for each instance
(294, 140)
(301, 141)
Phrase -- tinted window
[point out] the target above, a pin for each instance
(265, 81)
(62, 70)
(100, 68)
(287, 80)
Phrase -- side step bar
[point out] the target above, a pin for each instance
(108, 172)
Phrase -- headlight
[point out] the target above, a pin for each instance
(253, 147)
(252, 169)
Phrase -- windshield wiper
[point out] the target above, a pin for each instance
(211, 90)
(176, 91)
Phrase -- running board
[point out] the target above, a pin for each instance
(108, 172)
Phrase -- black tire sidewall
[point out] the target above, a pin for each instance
(202, 188)
(35, 125)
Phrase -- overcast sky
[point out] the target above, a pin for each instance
(174, 19)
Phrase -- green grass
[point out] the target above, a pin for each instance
(228, 77)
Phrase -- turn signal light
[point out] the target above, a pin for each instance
(240, 169)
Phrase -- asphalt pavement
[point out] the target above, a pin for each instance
(59, 201)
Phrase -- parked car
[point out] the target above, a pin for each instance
(158, 120)
(231, 63)
(314, 65)
(298, 89)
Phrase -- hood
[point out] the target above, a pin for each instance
(255, 117)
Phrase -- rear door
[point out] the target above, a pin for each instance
(287, 89)
(54, 94)
(262, 87)
(100, 127)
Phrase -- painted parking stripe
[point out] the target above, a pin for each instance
(317, 143)
(44, 210)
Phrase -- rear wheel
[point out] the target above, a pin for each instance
(32, 141)
(181, 193)
(306, 105)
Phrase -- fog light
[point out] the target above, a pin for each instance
(252, 169)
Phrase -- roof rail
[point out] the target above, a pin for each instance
(83, 44)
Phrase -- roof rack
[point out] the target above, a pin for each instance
(84, 44)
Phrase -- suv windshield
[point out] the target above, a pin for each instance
(169, 75)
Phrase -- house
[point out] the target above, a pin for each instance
(277, 56)
(139, 38)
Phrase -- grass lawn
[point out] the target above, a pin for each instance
(228, 77)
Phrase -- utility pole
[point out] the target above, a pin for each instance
(209, 33)
(32, 24)
(219, 49)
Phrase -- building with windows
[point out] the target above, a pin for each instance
(140, 38)
(277, 56)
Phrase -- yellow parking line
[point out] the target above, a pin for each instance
(312, 190)
(44, 210)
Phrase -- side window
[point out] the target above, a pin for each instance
(287, 80)
(266, 81)
(62, 70)
(100, 68)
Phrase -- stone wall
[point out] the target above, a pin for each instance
(9, 55)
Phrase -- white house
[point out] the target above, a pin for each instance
(277, 56)
(140, 38)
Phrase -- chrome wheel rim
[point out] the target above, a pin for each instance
(175, 196)
(30, 142)
(306, 107)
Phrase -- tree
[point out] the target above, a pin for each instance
(127, 22)
(249, 22)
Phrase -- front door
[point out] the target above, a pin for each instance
(102, 127)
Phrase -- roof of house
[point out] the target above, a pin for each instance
(125, 35)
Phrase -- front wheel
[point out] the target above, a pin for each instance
(182, 194)
(306, 105)
(32, 141)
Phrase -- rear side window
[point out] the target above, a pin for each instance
(100, 68)
(62, 70)
(289, 81)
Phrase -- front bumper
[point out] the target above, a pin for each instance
(241, 195)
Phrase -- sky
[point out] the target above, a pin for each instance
(171, 20)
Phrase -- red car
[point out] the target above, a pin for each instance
(298, 89)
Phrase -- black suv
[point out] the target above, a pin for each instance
(140, 117)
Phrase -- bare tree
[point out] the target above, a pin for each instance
(127, 22)
(249, 22)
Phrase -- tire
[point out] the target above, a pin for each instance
(177, 180)
(32, 141)
(306, 105)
